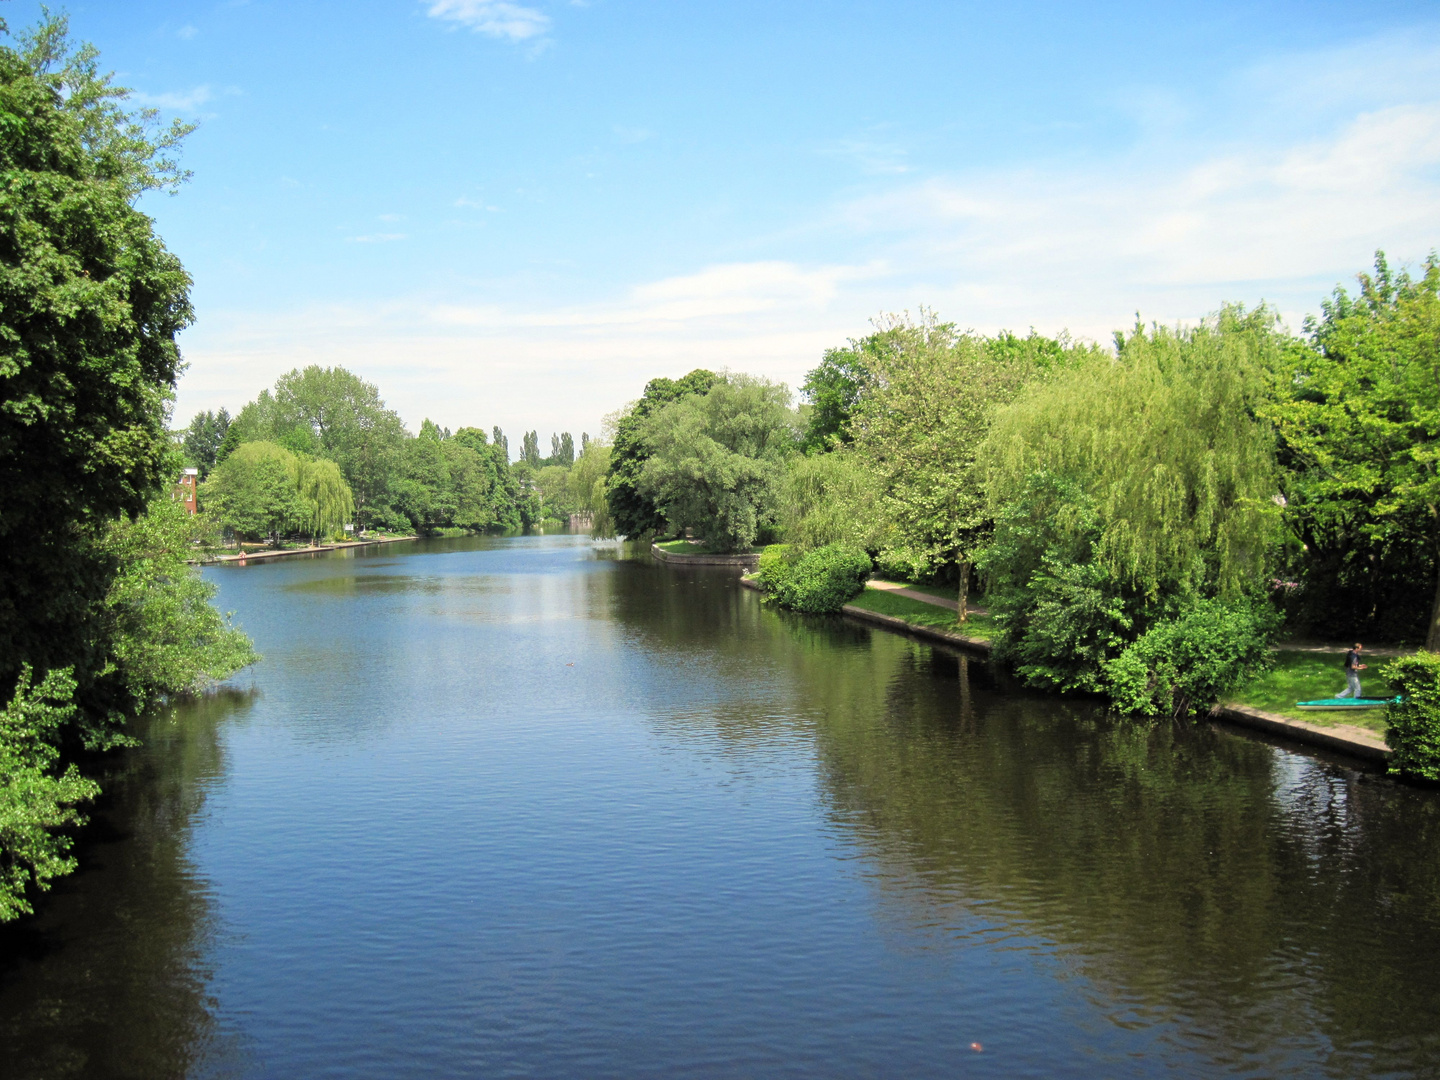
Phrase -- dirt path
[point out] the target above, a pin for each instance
(925, 598)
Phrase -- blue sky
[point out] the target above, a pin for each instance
(516, 213)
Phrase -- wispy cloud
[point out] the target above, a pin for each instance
(873, 156)
(632, 135)
(177, 101)
(497, 18)
(378, 238)
(187, 32)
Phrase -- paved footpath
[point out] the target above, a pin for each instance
(900, 589)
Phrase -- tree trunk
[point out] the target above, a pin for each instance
(963, 611)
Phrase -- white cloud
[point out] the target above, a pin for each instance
(180, 101)
(378, 238)
(187, 32)
(497, 18)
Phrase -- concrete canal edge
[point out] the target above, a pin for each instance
(1351, 741)
(745, 562)
(258, 555)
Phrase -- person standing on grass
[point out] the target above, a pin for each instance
(1353, 667)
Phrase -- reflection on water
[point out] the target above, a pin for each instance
(532, 807)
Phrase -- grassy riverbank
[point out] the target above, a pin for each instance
(691, 547)
(919, 613)
(1301, 676)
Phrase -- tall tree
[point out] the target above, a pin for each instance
(925, 412)
(1359, 422)
(631, 511)
(256, 491)
(718, 459)
(203, 438)
(91, 301)
(530, 449)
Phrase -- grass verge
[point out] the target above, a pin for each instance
(919, 613)
(690, 547)
(1302, 676)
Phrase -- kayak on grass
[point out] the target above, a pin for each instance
(1346, 703)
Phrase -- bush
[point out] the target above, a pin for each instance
(819, 582)
(1413, 723)
(1182, 665)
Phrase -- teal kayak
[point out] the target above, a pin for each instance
(1346, 703)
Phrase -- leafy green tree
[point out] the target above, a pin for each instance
(556, 498)
(488, 494)
(1128, 490)
(562, 450)
(833, 498)
(587, 485)
(203, 439)
(169, 639)
(36, 797)
(1358, 416)
(631, 511)
(833, 389)
(530, 449)
(90, 303)
(931, 396)
(719, 458)
(329, 506)
(255, 491)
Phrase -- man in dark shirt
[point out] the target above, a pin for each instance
(1353, 667)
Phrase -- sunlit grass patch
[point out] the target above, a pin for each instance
(919, 613)
(1305, 676)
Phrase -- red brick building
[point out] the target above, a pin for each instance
(185, 489)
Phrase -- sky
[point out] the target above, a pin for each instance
(517, 213)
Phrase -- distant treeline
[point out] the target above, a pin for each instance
(322, 450)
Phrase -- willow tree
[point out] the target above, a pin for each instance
(328, 504)
(1126, 485)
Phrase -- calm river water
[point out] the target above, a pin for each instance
(528, 807)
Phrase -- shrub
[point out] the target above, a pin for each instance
(1413, 723)
(1182, 665)
(819, 582)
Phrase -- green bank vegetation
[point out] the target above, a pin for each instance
(1143, 519)
(100, 615)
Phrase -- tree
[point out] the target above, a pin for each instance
(562, 450)
(328, 504)
(1126, 490)
(530, 449)
(91, 303)
(587, 485)
(632, 512)
(1358, 414)
(718, 459)
(833, 389)
(204, 438)
(255, 491)
(927, 408)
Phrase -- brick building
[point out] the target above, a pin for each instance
(185, 489)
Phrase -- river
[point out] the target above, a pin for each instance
(532, 807)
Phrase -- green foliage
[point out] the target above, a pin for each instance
(1359, 422)
(328, 504)
(168, 638)
(203, 439)
(718, 459)
(587, 486)
(631, 511)
(819, 582)
(91, 303)
(1413, 723)
(919, 426)
(556, 499)
(1183, 665)
(833, 498)
(1164, 444)
(833, 389)
(34, 801)
(255, 491)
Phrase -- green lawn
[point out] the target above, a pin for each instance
(919, 613)
(692, 547)
(1301, 676)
